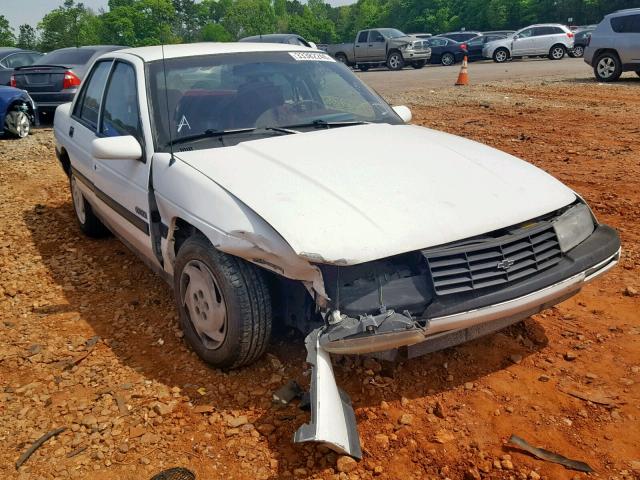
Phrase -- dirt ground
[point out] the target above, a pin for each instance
(137, 400)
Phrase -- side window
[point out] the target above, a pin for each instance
(526, 33)
(120, 114)
(362, 38)
(626, 24)
(476, 41)
(375, 36)
(87, 107)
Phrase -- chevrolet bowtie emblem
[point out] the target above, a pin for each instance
(505, 264)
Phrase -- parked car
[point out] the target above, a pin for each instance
(267, 183)
(421, 35)
(551, 40)
(17, 112)
(288, 38)
(580, 41)
(11, 58)
(614, 46)
(382, 46)
(54, 78)
(475, 46)
(506, 33)
(445, 51)
(461, 36)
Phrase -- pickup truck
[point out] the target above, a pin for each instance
(382, 46)
(266, 183)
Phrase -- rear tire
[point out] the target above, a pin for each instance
(17, 123)
(607, 67)
(342, 58)
(447, 59)
(223, 303)
(578, 51)
(557, 52)
(501, 55)
(90, 225)
(363, 68)
(395, 61)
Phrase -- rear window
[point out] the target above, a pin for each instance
(626, 24)
(67, 57)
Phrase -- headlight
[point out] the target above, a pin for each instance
(573, 226)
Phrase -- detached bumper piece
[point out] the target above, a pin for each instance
(333, 421)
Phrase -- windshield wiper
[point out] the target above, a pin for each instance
(325, 124)
(213, 133)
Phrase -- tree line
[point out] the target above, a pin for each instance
(150, 22)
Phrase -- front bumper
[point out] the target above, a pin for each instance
(390, 330)
(416, 55)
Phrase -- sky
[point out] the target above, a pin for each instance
(31, 11)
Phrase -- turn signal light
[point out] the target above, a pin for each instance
(13, 82)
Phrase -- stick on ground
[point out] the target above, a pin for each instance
(37, 444)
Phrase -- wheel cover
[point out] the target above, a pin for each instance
(501, 55)
(341, 59)
(204, 304)
(578, 51)
(606, 67)
(394, 61)
(19, 124)
(557, 52)
(78, 201)
(447, 60)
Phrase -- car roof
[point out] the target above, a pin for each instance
(625, 11)
(545, 25)
(153, 53)
(4, 50)
(270, 36)
(91, 47)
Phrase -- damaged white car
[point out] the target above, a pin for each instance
(268, 184)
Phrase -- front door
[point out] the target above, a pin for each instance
(377, 48)
(523, 43)
(361, 46)
(122, 185)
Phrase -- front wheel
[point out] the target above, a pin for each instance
(557, 52)
(395, 61)
(17, 123)
(418, 65)
(89, 223)
(363, 68)
(224, 305)
(448, 59)
(607, 67)
(501, 55)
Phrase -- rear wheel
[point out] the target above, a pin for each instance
(418, 65)
(448, 59)
(557, 52)
(501, 55)
(17, 123)
(342, 58)
(89, 223)
(395, 61)
(607, 67)
(578, 51)
(224, 304)
(363, 68)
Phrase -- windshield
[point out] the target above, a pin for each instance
(391, 33)
(233, 93)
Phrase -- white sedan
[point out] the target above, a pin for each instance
(266, 183)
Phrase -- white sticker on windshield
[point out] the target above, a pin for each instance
(183, 123)
(311, 57)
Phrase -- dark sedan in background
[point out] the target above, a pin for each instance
(475, 45)
(581, 40)
(445, 51)
(54, 79)
(11, 58)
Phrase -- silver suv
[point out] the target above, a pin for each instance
(614, 46)
(549, 39)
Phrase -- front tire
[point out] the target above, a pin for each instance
(501, 55)
(363, 68)
(448, 59)
(17, 123)
(395, 61)
(419, 64)
(607, 67)
(89, 223)
(557, 52)
(223, 303)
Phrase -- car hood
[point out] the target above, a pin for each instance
(353, 194)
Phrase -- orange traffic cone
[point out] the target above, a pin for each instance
(463, 76)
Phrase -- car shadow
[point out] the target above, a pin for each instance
(624, 80)
(132, 311)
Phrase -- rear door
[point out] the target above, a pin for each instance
(361, 46)
(123, 185)
(377, 47)
(627, 39)
(545, 38)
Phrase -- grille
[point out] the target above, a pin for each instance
(505, 260)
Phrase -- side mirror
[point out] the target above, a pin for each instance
(404, 113)
(116, 148)
(516, 37)
(313, 45)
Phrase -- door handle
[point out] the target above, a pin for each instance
(357, 46)
(71, 130)
(370, 45)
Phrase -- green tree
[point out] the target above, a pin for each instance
(250, 17)
(215, 32)
(70, 25)
(7, 38)
(27, 37)
(138, 22)
(314, 23)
